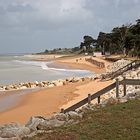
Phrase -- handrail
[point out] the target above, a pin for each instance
(129, 66)
(103, 91)
(84, 101)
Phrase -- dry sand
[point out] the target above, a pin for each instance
(48, 101)
(82, 63)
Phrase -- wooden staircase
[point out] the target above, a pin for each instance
(133, 65)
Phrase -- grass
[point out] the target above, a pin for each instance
(116, 122)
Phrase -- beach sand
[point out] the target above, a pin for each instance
(48, 101)
(80, 62)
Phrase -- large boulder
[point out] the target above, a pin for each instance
(123, 100)
(74, 115)
(13, 130)
(76, 79)
(40, 84)
(34, 122)
(51, 85)
(58, 83)
(8, 88)
(110, 101)
(65, 82)
(60, 116)
(49, 124)
(69, 79)
(13, 138)
(23, 87)
(26, 85)
(131, 95)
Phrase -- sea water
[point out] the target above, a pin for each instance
(16, 69)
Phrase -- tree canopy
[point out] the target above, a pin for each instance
(121, 40)
(87, 44)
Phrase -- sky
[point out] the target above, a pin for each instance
(28, 26)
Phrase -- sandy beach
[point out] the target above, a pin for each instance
(48, 101)
(81, 63)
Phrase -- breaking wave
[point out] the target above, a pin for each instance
(44, 66)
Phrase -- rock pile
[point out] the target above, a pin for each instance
(46, 84)
(117, 65)
(38, 124)
(131, 74)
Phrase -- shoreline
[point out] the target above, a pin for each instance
(44, 102)
(24, 110)
(49, 101)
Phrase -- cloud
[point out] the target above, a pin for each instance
(19, 8)
(37, 23)
(55, 14)
(31, 14)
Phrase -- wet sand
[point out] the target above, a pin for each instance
(41, 103)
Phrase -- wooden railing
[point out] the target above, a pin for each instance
(95, 62)
(105, 90)
(134, 64)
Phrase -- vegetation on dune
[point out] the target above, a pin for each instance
(116, 122)
(121, 40)
(87, 45)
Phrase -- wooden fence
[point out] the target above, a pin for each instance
(112, 59)
(98, 94)
(95, 62)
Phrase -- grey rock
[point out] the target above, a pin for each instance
(51, 85)
(34, 122)
(65, 82)
(88, 107)
(138, 93)
(76, 79)
(74, 115)
(117, 65)
(110, 101)
(60, 117)
(13, 130)
(14, 138)
(131, 95)
(123, 100)
(58, 83)
(49, 124)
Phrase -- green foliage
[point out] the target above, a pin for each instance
(75, 49)
(132, 41)
(87, 45)
(46, 51)
(122, 40)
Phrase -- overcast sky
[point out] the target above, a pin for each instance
(36, 25)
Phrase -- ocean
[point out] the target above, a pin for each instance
(19, 68)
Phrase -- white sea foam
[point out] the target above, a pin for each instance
(44, 66)
(16, 70)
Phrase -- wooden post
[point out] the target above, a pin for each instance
(99, 99)
(124, 86)
(117, 87)
(62, 110)
(131, 65)
(89, 98)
